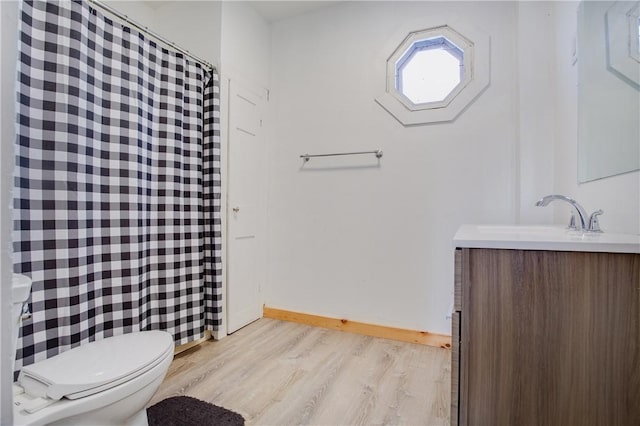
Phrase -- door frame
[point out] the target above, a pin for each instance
(225, 98)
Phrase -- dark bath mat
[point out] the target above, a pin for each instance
(187, 411)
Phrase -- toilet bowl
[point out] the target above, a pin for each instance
(105, 382)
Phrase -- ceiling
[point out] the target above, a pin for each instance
(277, 10)
(271, 11)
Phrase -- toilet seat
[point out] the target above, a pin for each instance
(96, 366)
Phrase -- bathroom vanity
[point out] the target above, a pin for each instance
(546, 327)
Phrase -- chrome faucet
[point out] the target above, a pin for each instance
(585, 225)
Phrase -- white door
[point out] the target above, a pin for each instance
(246, 190)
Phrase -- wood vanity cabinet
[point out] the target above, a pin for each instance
(546, 338)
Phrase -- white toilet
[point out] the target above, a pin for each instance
(105, 382)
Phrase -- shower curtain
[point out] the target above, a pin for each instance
(117, 183)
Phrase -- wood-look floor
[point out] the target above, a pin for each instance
(281, 373)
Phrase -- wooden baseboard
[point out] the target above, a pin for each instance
(186, 346)
(401, 334)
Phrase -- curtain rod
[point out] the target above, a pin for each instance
(147, 31)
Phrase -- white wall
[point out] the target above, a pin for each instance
(193, 25)
(8, 45)
(352, 239)
(618, 196)
(536, 85)
(139, 11)
(245, 44)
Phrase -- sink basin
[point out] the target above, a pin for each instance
(520, 229)
(543, 237)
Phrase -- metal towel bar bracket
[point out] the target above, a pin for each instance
(377, 152)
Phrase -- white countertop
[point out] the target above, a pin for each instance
(553, 238)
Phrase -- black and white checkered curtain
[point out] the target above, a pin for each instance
(117, 188)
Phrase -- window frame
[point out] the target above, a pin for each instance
(634, 32)
(408, 48)
(475, 46)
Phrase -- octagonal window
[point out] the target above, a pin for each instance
(429, 70)
(434, 74)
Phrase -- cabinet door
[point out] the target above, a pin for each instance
(551, 338)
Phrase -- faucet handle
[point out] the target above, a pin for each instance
(594, 224)
(572, 222)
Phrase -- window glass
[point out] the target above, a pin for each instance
(429, 73)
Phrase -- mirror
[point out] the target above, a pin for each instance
(608, 89)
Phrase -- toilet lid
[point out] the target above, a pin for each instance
(96, 366)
